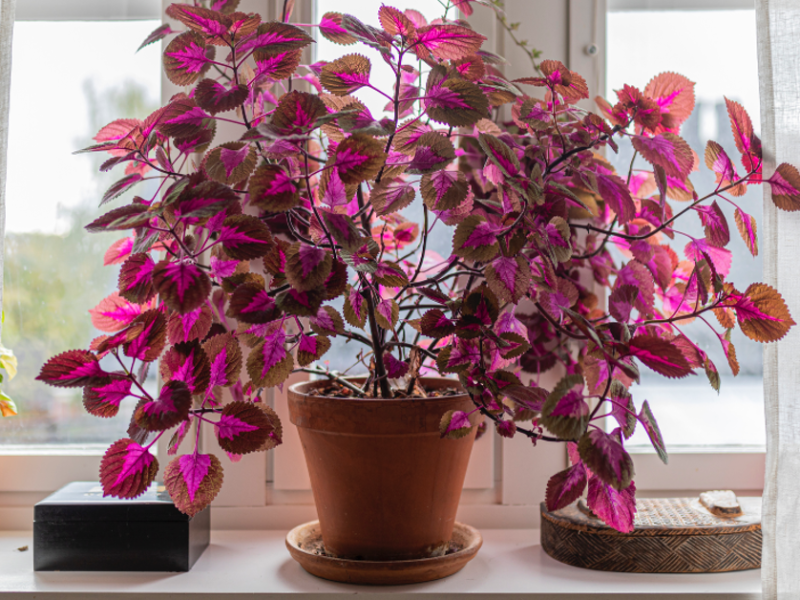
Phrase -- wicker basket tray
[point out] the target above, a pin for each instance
(671, 535)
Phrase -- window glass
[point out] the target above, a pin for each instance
(68, 80)
(642, 44)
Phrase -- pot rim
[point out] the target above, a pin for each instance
(375, 416)
(296, 388)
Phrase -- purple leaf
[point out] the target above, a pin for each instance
(127, 469)
(243, 427)
(307, 266)
(193, 481)
(443, 190)
(650, 425)
(661, 355)
(667, 151)
(187, 362)
(447, 41)
(194, 468)
(120, 187)
(136, 278)
(746, 224)
(620, 302)
(604, 454)
(386, 313)
(189, 326)
(276, 37)
(177, 438)
(148, 335)
(509, 278)
(716, 226)
(171, 407)
(181, 285)
(102, 400)
(455, 424)
(73, 368)
(394, 368)
(355, 308)
(565, 412)
(225, 355)
(476, 239)
(199, 19)
(159, 33)
(565, 487)
(245, 237)
(268, 363)
(617, 509)
(335, 193)
(186, 59)
(312, 348)
(614, 191)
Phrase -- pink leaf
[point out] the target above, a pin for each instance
(273, 351)
(193, 481)
(447, 41)
(668, 151)
(674, 95)
(194, 468)
(114, 313)
(661, 355)
(717, 231)
(103, 400)
(614, 191)
(232, 158)
(335, 193)
(747, 142)
(229, 427)
(721, 257)
(616, 509)
(221, 269)
(118, 252)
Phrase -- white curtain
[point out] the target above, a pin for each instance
(7, 8)
(778, 23)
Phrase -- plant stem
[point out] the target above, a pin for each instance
(377, 348)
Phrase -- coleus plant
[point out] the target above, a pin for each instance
(234, 268)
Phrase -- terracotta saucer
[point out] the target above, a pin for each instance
(305, 545)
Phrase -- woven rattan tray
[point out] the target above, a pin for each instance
(671, 535)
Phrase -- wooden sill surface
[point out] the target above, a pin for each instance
(256, 565)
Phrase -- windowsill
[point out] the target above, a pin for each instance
(53, 449)
(257, 565)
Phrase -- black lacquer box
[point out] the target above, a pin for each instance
(77, 529)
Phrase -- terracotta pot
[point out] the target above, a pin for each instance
(385, 484)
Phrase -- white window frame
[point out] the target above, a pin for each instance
(269, 490)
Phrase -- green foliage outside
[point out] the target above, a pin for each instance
(50, 280)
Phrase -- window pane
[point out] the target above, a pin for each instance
(642, 44)
(68, 80)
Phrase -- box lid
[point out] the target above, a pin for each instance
(84, 501)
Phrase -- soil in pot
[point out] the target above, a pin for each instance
(385, 483)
